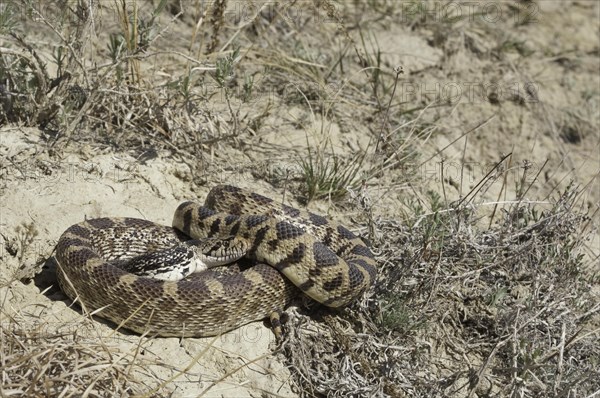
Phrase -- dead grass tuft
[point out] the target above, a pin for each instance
(464, 310)
(40, 363)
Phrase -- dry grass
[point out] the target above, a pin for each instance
(37, 361)
(474, 297)
(460, 310)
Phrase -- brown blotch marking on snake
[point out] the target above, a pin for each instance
(186, 288)
(104, 273)
(230, 219)
(273, 244)
(345, 232)
(328, 238)
(274, 318)
(101, 223)
(355, 276)
(82, 272)
(235, 191)
(259, 237)
(216, 193)
(254, 220)
(187, 221)
(215, 227)
(231, 188)
(81, 255)
(152, 288)
(361, 251)
(233, 230)
(333, 283)
(219, 300)
(317, 219)
(235, 208)
(236, 284)
(262, 200)
(227, 188)
(74, 242)
(261, 282)
(304, 286)
(285, 230)
(324, 256)
(371, 270)
(182, 206)
(205, 213)
(79, 231)
(295, 257)
(290, 211)
(168, 302)
(129, 222)
(315, 272)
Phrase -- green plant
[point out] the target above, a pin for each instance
(247, 88)
(398, 316)
(495, 298)
(224, 71)
(8, 19)
(329, 175)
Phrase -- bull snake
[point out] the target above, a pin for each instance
(294, 250)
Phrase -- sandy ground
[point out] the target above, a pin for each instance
(95, 185)
(48, 193)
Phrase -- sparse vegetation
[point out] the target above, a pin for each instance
(489, 277)
(330, 176)
(36, 362)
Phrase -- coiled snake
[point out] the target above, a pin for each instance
(294, 249)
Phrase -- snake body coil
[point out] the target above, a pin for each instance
(295, 250)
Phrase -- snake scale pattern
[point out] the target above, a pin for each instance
(295, 250)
